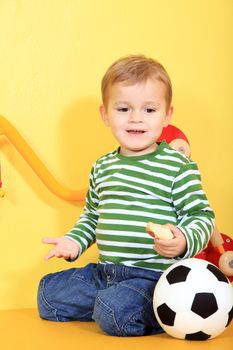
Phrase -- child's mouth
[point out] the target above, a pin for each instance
(135, 131)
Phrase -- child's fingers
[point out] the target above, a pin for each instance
(50, 240)
(50, 255)
(58, 253)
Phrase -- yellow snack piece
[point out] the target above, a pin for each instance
(160, 231)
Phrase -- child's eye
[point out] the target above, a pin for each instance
(150, 110)
(123, 109)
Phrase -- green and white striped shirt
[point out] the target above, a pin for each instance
(127, 192)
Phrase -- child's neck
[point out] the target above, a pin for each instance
(129, 153)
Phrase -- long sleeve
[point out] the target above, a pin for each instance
(83, 231)
(195, 217)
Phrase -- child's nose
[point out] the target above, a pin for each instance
(135, 117)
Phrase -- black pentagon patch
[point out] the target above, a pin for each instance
(178, 274)
(197, 336)
(166, 315)
(204, 304)
(230, 316)
(217, 273)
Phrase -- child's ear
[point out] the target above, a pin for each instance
(104, 115)
(169, 115)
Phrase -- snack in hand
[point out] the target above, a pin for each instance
(159, 231)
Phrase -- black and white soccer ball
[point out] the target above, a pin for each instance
(193, 300)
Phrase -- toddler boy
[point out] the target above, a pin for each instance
(139, 182)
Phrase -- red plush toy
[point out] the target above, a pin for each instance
(220, 248)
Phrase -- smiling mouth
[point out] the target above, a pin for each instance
(132, 131)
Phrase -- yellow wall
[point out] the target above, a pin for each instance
(52, 57)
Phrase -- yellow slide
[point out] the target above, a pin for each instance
(7, 129)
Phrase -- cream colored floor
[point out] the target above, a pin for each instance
(23, 329)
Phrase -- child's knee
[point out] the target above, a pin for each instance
(114, 319)
(118, 317)
(46, 310)
(65, 296)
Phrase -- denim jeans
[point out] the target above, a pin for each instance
(117, 297)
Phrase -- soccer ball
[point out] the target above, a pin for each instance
(193, 300)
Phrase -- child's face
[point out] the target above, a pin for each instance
(136, 115)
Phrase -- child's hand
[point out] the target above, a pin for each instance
(64, 248)
(171, 248)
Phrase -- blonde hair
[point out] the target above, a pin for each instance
(135, 69)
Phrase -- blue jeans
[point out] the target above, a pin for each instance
(117, 297)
